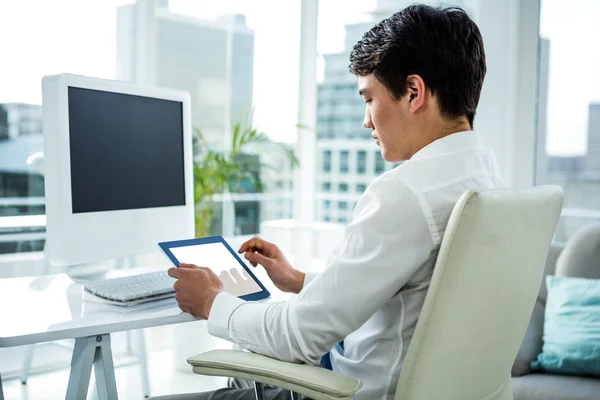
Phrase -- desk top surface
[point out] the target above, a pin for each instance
(51, 307)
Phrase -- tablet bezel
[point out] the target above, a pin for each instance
(167, 246)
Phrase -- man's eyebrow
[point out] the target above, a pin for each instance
(363, 91)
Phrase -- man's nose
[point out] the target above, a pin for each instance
(367, 123)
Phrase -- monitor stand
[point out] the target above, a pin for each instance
(80, 272)
(109, 269)
(90, 271)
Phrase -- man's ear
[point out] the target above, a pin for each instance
(416, 92)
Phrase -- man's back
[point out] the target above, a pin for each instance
(425, 190)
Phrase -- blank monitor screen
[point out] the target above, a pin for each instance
(126, 151)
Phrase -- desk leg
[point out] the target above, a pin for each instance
(1, 392)
(143, 356)
(92, 351)
(27, 364)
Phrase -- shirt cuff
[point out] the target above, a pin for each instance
(220, 313)
(308, 277)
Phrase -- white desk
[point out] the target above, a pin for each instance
(48, 308)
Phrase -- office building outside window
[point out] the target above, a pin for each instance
(344, 161)
(343, 187)
(379, 163)
(360, 188)
(327, 161)
(326, 186)
(343, 205)
(361, 162)
(568, 133)
(340, 109)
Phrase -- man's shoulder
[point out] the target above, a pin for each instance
(392, 188)
(390, 201)
(398, 179)
(427, 174)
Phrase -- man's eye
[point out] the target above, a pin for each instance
(368, 101)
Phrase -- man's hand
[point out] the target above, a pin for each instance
(195, 289)
(283, 275)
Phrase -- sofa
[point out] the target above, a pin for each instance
(579, 257)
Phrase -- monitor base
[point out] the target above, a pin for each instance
(89, 272)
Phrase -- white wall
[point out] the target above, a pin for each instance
(506, 113)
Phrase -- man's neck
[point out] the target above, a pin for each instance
(448, 128)
(439, 131)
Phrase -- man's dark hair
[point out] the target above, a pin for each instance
(441, 45)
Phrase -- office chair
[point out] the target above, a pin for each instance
(484, 285)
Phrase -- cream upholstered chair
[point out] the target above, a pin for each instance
(486, 279)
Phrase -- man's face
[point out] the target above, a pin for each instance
(388, 119)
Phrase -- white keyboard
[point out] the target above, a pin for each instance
(149, 286)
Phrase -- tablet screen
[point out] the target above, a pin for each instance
(217, 257)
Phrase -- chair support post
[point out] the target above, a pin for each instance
(259, 391)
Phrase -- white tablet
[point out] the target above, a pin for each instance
(216, 254)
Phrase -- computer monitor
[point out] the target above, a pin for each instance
(118, 168)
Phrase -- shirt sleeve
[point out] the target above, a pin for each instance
(308, 278)
(383, 247)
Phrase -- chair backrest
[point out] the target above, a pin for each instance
(482, 292)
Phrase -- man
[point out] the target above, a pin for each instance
(420, 73)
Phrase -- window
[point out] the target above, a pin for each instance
(327, 161)
(361, 162)
(343, 187)
(246, 218)
(327, 204)
(361, 187)
(568, 152)
(379, 163)
(343, 205)
(105, 48)
(326, 186)
(344, 161)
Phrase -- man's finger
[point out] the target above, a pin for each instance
(253, 243)
(257, 258)
(206, 269)
(174, 273)
(260, 246)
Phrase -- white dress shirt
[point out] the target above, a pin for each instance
(372, 291)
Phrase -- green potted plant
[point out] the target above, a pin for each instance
(216, 172)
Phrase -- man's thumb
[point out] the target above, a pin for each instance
(258, 258)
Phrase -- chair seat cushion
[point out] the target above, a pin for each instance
(315, 382)
(555, 387)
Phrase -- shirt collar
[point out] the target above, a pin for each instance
(455, 142)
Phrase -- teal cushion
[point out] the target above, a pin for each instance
(571, 327)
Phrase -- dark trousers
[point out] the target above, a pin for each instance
(238, 389)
